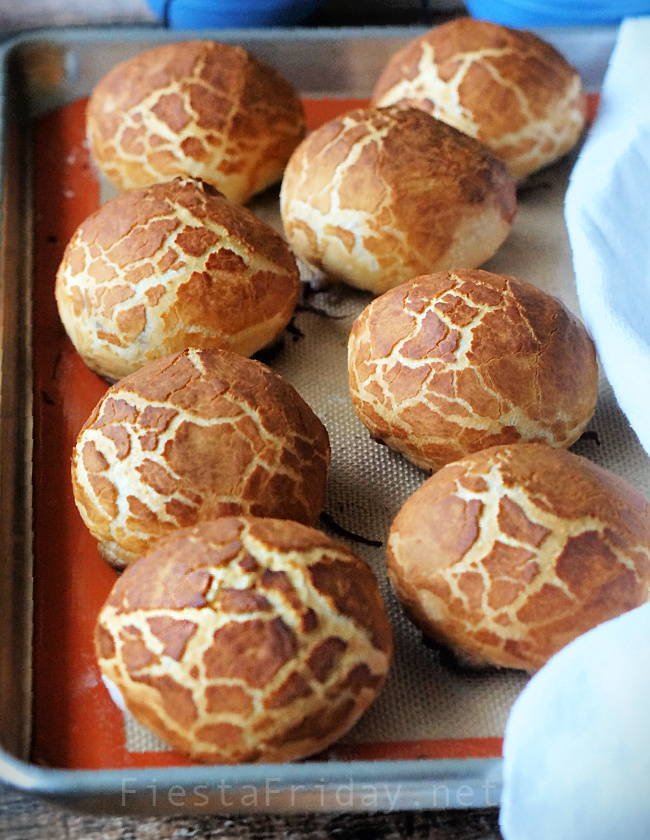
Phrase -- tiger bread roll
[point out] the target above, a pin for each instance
(246, 640)
(379, 196)
(509, 554)
(200, 108)
(506, 87)
(170, 266)
(195, 435)
(454, 362)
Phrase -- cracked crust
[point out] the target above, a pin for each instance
(378, 196)
(454, 362)
(196, 435)
(507, 88)
(170, 266)
(507, 555)
(199, 108)
(246, 640)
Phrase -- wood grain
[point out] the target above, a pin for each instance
(22, 817)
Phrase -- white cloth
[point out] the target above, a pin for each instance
(607, 212)
(577, 742)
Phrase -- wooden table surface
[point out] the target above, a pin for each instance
(23, 817)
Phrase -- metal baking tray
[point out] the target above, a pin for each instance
(46, 70)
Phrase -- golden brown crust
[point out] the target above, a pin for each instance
(170, 266)
(246, 640)
(379, 196)
(212, 111)
(455, 362)
(508, 88)
(507, 555)
(193, 436)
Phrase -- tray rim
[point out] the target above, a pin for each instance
(371, 786)
(302, 787)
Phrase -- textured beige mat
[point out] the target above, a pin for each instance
(427, 698)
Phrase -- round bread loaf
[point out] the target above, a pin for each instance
(171, 266)
(200, 434)
(507, 555)
(212, 111)
(379, 196)
(454, 362)
(508, 88)
(246, 640)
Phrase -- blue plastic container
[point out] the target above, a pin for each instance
(529, 13)
(225, 14)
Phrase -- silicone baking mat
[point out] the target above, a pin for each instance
(430, 708)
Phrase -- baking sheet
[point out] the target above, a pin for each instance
(418, 712)
(434, 736)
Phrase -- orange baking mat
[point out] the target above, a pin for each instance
(75, 723)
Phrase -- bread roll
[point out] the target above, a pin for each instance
(212, 111)
(454, 362)
(199, 434)
(377, 197)
(507, 555)
(246, 640)
(507, 88)
(171, 266)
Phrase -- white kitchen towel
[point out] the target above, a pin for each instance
(577, 742)
(607, 212)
